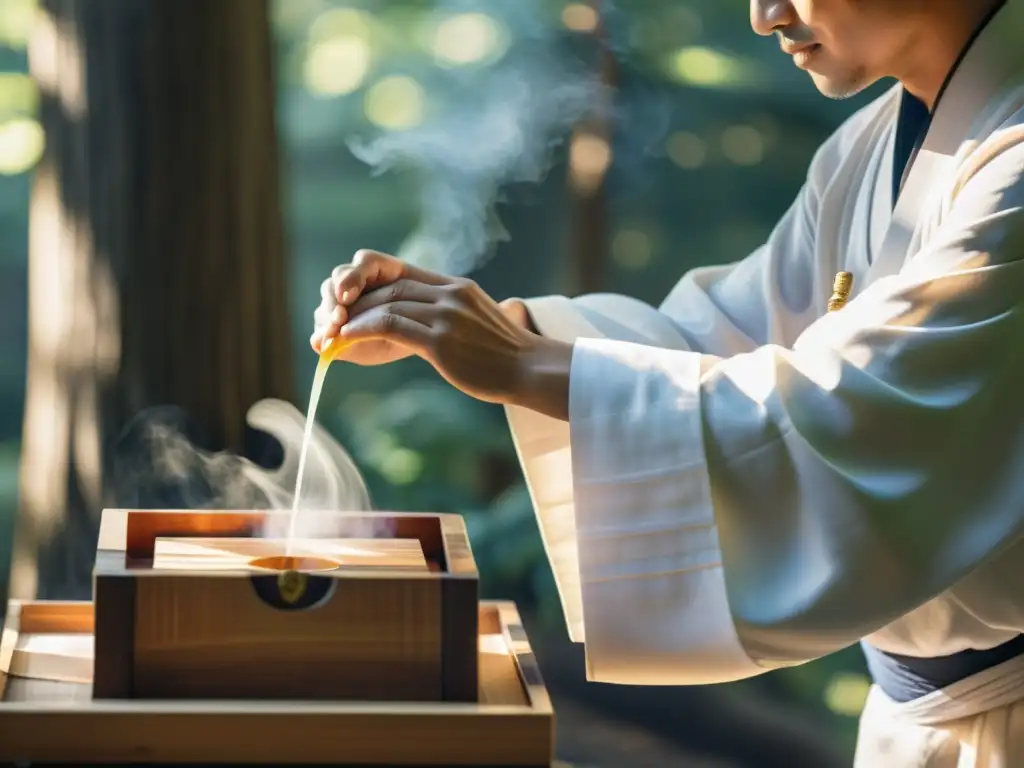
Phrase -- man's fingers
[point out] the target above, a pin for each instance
(368, 268)
(404, 290)
(325, 315)
(386, 269)
(327, 320)
(371, 269)
(404, 323)
(327, 291)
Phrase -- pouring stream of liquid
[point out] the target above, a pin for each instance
(322, 365)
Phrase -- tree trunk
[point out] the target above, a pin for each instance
(590, 158)
(156, 267)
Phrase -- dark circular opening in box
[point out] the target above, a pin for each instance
(289, 563)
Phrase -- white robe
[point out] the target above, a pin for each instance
(747, 482)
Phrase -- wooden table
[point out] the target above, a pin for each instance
(48, 715)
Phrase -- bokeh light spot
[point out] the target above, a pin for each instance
(337, 67)
(396, 103)
(743, 145)
(580, 17)
(687, 150)
(22, 141)
(469, 38)
(632, 249)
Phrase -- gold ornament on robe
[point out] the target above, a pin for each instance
(841, 289)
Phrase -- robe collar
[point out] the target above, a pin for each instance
(991, 67)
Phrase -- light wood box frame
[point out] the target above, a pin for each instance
(124, 559)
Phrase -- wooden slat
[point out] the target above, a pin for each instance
(525, 661)
(57, 616)
(134, 532)
(207, 554)
(458, 554)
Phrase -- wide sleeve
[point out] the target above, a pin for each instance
(724, 310)
(736, 514)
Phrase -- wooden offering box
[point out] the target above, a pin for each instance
(48, 713)
(194, 605)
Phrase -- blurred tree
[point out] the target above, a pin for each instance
(157, 271)
(590, 157)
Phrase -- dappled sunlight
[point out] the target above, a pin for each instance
(21, 145)
(687, 150)
(74, 325)
(337, 67)
(341, 23)
(469, 38)
(706, 67)
(339, 56)
(21, 136)
(43, 479)
(87, 442)
(756, 375)
(63, 644)
(58, 65)
(632, 248)
(493, 645)
(743, 145)
(590, 157)
(846, 693)
(580, 17)
(18, 94)
(396, 103)
(16, 17)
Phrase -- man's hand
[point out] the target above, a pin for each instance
(338, 292)
(367, 271)
(390, 309)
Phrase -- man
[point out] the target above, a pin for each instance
(740, 480)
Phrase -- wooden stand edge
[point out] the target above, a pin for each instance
(53, 721)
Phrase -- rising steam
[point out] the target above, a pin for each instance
(159, 463)
(499, 127)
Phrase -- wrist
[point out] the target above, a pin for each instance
(541, 379)
(517, 312)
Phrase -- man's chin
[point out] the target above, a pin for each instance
(840, 88)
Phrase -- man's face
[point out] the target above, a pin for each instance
(845, 45)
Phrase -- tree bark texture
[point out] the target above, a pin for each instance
(156, 269)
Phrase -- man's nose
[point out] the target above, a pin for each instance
(766, 16)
